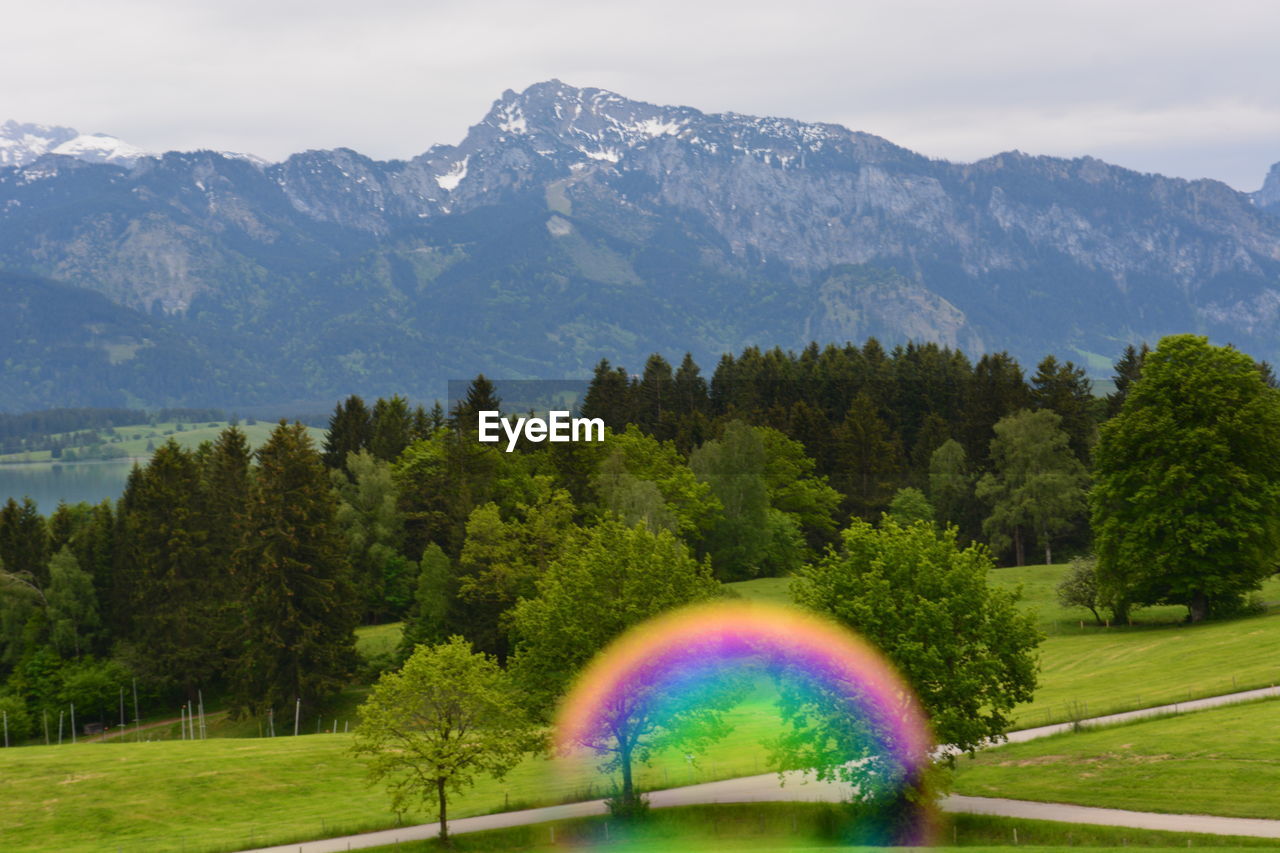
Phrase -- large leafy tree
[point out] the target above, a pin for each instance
(448, 716)
(1186, 506)
(687, 504)
(611, 578)
(766, 489)
(369, 514)
(966, 648)
(72, 605)
(502, 561)
(298, 611)
(1038, 484)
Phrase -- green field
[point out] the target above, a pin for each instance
(1224, 761)
(133, 441)
(1097, 670)
(375, 640)
(226, 793)
(814, 826)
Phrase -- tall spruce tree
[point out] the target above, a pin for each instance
(392, 428)
(164, 569)
(24, 539)
(608, 396)
(481, 396)
(350, 431)
(1127, 371)
(297, 634)
(1064, 388)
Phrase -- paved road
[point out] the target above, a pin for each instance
(765, 788)
(1158, 711)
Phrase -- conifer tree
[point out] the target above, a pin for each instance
(164, 568)
(24, 539)
(481, 396)
(392, 428)
(226, 486)
(350, 430)
(1065, 389)
(655, 398)
(608, 396)
(298, 615)
(1127, 371)
(689, 389)
(867, 459)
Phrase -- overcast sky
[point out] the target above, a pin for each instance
(1188, 89)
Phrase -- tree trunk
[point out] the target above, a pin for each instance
(444, 814)
(1019, 553)
(628, 790)
(1199, 606)
(1048, 551)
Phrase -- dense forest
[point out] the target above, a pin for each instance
(244, 574)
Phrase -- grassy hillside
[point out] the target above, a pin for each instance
(228, 793)
(1224, 761)
(1095, 670)
(139, 440)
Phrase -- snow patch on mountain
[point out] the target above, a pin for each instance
(21, 144)
(449, 180)
(101, 148)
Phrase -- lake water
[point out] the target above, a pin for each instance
(47, 483)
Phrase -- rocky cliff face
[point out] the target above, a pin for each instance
(1269, 196)
(574, 223)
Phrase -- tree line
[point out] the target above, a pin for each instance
(245, 573)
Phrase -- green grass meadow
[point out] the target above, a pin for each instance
(239, 789)
(1223, 761)
(1094, 670)
(133, 440)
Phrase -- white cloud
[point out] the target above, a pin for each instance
(1187, 88)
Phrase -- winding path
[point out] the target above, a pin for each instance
(765, 788)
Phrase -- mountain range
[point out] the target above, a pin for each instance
(572, 224)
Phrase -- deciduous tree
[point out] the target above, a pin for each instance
(613, 577)
(1186, 506)
(1037, 487)
(430, 729)
(967, 648)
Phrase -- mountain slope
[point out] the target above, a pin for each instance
(78, 348)
(571, 224)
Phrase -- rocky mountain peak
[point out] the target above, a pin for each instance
(1269, 195)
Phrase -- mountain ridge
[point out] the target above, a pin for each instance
(571, 224)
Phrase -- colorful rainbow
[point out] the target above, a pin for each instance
(656, 669)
